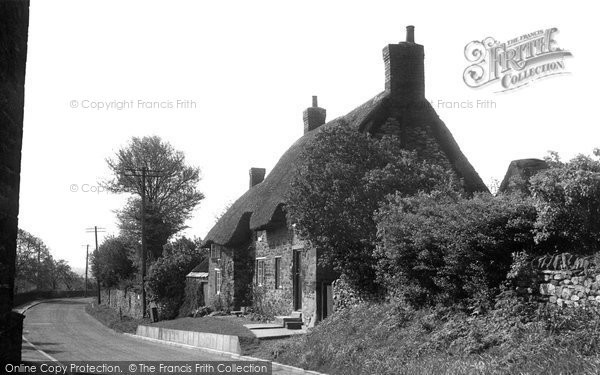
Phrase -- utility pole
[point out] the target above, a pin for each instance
(39, 250)
(87, 253)
(95, 230)
(144, 173)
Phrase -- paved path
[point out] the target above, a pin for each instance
(64, 331)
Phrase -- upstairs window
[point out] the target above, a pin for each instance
(215, 252)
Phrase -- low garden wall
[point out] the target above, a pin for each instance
(569, 287)
(565, 279)
(224, 343)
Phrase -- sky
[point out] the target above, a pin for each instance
(226, 83)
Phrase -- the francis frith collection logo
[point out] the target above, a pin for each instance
(514, 63)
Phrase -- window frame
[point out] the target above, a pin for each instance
(277, 272)
(259, 272)
(215, 252)
(218, 281)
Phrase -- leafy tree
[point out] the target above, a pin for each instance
(567, 198)
(37, 269)
(443, 248)
(111, 264)
(171, 189)
(166, 279)
(339, 184)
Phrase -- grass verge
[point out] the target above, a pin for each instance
(111, 319)
(223, 325)
(383, 339)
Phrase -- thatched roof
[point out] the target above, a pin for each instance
(519, 172)
(260, 206)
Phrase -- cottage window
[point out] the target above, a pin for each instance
(215, 252)
(277, 272)
(259, 274)
(218, 281)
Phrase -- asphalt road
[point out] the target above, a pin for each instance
(61, 330)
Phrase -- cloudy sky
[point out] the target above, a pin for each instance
(243, 72)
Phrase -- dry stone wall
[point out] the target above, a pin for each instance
(569, 287)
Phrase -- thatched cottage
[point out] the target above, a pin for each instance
(253, 246)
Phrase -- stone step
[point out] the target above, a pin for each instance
(282, 320)
(293, 325)
(254, 326)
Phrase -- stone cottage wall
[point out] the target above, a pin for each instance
(270, 245)
(280, 242)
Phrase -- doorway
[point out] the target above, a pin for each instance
(297, 280)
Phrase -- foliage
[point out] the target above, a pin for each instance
(268, 304)
(222, 302)
(567, 198)
(166, 278)
(171, 189)
(37, 269)
(112, 319)
(111, 264)
(342, 178)
(443, 248)
(193, 299)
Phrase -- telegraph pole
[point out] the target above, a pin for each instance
(144, 173)
(39, 266)
(95, 230)
(87, 252)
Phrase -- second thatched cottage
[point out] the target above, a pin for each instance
(253, 245)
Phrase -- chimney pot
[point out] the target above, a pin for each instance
(313, 116)
(404, 69)
(257, 175)
(410, 34)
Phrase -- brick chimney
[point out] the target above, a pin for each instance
(257, 175)
(313, 116)
(404, 70)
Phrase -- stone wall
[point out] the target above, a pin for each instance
(569, 287)
(271, 244)
(279, 242)
(128, 302)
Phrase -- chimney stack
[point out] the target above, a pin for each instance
(257, 175)
(404, 69)
(313, 116)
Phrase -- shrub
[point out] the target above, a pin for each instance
(443, 248)
(221, 302)
(267, 305)
(166, 278)
(567, 198)
(193, 299)
(340, 182)
(111, 264)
